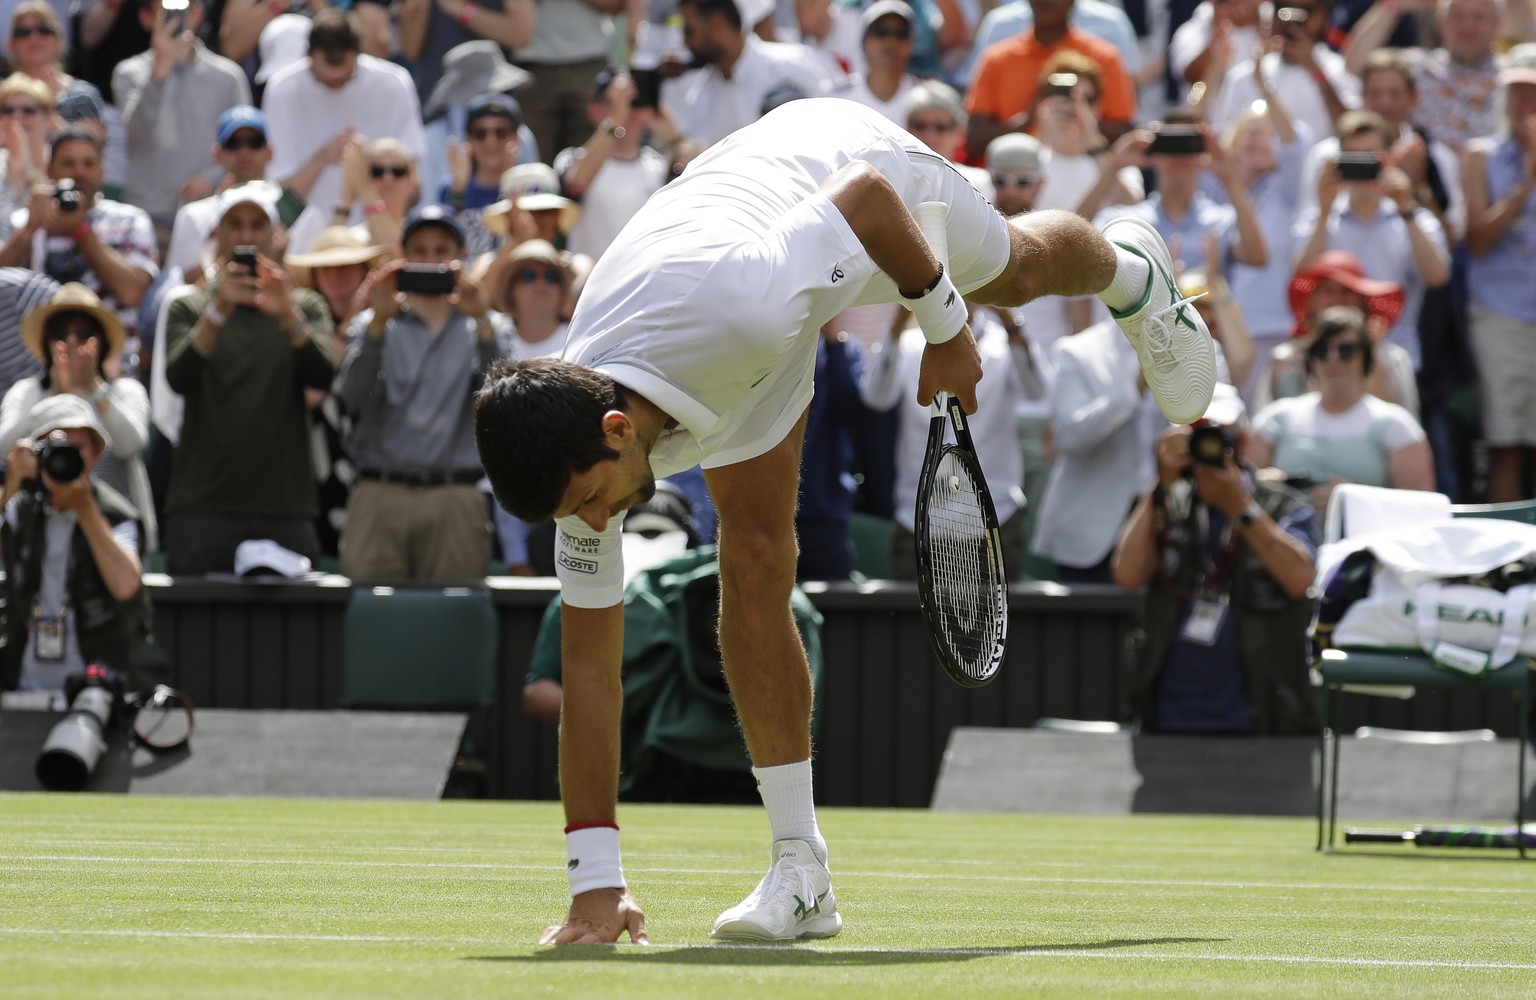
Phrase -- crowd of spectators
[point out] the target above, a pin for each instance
(302, 230)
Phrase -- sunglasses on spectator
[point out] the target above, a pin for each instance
(879, 31)
(24, 31)
(1344, 350)
(399, 171)
(528, 276)
(490, 133)
(24, 110)
(235, 143)
(80, 330)
(1014, 180)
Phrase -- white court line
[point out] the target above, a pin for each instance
(208, 935)
(6, 859)
(1122, 956)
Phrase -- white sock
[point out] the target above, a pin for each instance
(786, 792)
(1132, 273)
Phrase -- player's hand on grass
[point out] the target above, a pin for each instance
(599, 917)
(954, 366)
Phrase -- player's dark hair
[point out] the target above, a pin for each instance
(725, 8)
(538, 423)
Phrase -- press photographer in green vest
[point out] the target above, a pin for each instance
(1227, 560)
(72, 593)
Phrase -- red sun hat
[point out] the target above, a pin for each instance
(1382, 298)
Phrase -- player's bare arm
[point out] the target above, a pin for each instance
(591, 651)
(881, 221)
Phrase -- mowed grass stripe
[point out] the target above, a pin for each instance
(344, 899)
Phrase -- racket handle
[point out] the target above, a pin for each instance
(1354, 835)
(932, 217)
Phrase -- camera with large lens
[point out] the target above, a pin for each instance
(66, 195)
(74, 746)
(1209, 444)
(58, 458)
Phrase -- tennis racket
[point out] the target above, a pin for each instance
(1447, 836)
(961, 581)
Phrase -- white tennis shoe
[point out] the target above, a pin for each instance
(1177, 354)
(794, 900)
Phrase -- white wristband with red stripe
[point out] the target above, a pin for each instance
(592, 857)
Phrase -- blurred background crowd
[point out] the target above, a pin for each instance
(274, 245)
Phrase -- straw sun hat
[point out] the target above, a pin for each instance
(73, 297)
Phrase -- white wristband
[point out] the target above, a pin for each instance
(592, 859)
(940, 311)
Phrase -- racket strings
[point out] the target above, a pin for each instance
(964, 567)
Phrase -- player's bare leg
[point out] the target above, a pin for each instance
(764, 661)
(1052, 253)
(770, 683)
(1129, 267)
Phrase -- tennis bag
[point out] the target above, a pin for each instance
(1461, 590)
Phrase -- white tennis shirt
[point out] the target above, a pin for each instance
(711, 300)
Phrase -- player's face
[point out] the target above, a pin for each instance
(610, 487)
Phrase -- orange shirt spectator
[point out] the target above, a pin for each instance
(1004, 85)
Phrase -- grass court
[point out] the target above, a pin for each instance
(127, 896)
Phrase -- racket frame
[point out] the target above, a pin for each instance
(948, 411)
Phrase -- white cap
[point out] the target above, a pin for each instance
(65, 411)
(259, 193)
(753, 12)
(880, 8)
(284, 41)
(1226, 407)
(264, 557)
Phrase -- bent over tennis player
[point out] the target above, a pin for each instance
(694, 343)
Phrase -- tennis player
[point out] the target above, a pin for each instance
(695, 342)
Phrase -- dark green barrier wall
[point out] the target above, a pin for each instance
(887, 713)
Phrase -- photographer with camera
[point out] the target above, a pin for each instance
(1296, 62)
(1179, 151)
(1227, 560)
(79, 340)
(71, 233)
(241, 351)
(1366, 205)
(614, 171)
(71, 554)
(416, 357)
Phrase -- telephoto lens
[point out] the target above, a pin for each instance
(74, 746)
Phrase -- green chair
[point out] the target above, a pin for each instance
(424, 649)
(871, 536)
(427, 649)
(1373, 671)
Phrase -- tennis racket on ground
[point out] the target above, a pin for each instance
(1447, 836)
(961, 581)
